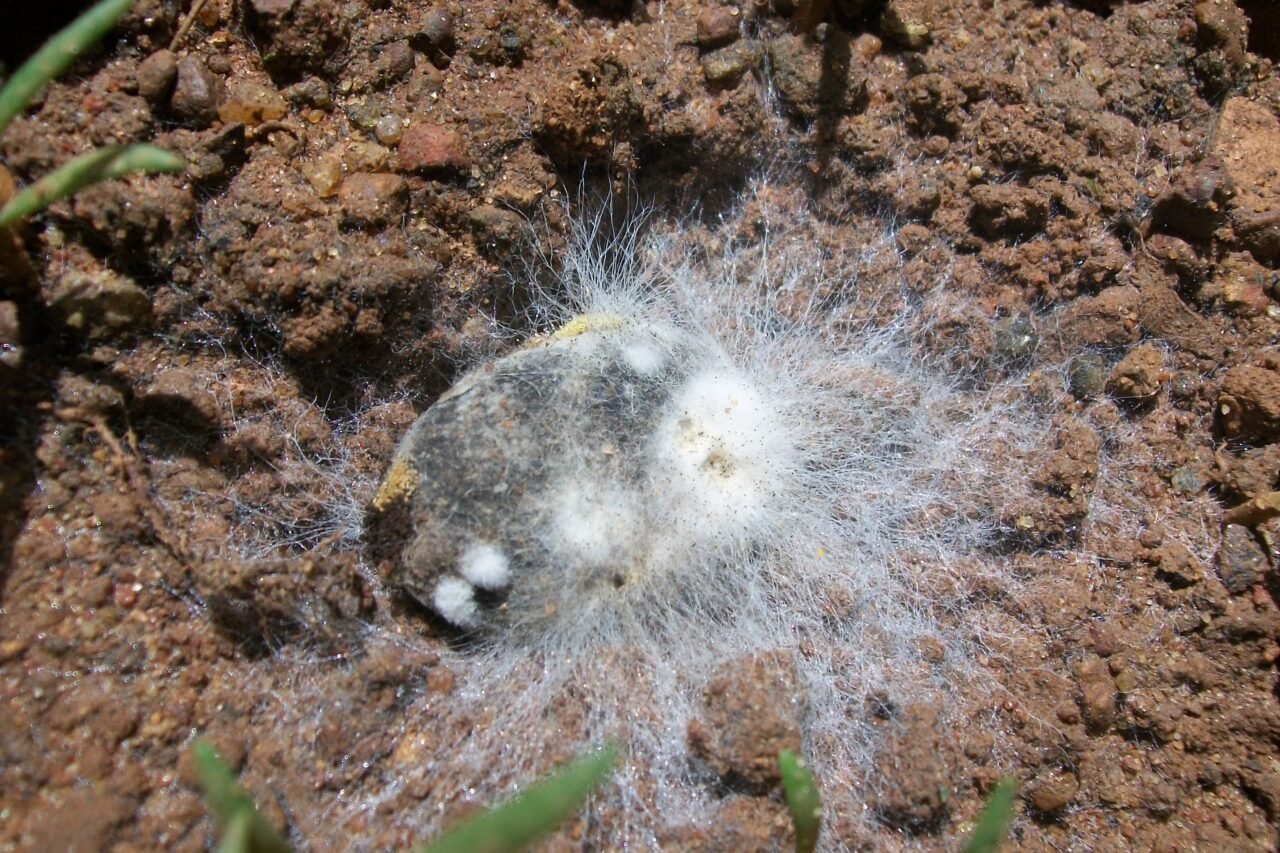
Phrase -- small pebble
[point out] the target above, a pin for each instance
(156, 76)
(324, 175)
(389, 129)
(1087, 376)
(717, 27)
(431, 147)
(373, 199)
(197, 92)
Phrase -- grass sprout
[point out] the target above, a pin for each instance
(243, 828)
(994, 821)
(100, 165)
(531, 814)
(504, 829)
(803, 800)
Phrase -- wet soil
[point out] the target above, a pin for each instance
(202, 376)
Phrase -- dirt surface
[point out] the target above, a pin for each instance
(204, 376)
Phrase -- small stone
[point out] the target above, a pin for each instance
(1015, 338)
(373, 199)
(1097, 692)
(361, 156)
(908, 22)
(495, 225)
(1087, 376)
(1241, 560)
(435, 35)
(100, 302)
(1126, 681)
(389, 129)
(1053, 792)
(197, 92)
(432, 147)
(727, 65)
(1186, 480)
(364, 114)
(157, 75)
(324, 174)
(251, 102)
(514, 40)
(394, 62)
(518, 191)
(717, 27)
(1138, 377)
(311, 91)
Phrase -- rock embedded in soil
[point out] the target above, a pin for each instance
(1247, 143)
(1097, 693)
(1139, 376)
(99, 303)
(1087, 376)
(197, 92)
(433, 34)
(394, 62)
(1008, 211)
(1053, 791)
(727, 65)
(908, 23)
(1249, 404)
(750, 712)
(373, 199)
(157, 75)
(1194, 206)
(251, 103)
(1109, 319)
(804, 87)
(180, 396)
(717, 27)
(428, 147)
(1242, 562)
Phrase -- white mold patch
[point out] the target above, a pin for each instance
(721, 453)
(455, 600)
(485, 566)
(644, 358)
(594, 524)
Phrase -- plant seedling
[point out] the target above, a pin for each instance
(102, 164)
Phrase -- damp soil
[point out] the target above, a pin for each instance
(199, 371)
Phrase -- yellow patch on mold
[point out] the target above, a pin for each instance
(398, 485)
(584, 323)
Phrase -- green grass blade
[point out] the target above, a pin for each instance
(994, 821)
(532, 813)
(803, 799)
(56, 55)
(114, 161)
(242, 826)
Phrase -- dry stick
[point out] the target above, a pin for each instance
(137, 481)
(188, 21)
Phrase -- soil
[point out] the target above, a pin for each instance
(203, 376)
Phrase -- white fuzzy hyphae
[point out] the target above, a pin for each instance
(692, 463)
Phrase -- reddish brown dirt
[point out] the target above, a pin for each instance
(177, 352)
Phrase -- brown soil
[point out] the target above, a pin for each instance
(197, 369)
